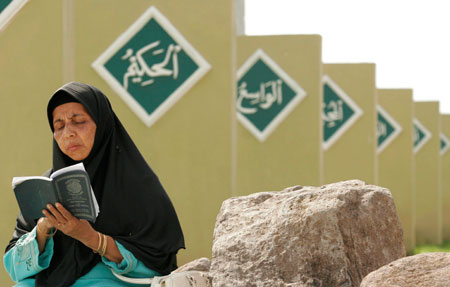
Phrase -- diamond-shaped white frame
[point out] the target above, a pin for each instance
(299, 96)
(10, 11)
(397, 128)
(358, 112)
(426, 132)
(444, 138)
(203, 66)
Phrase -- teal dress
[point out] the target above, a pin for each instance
(23, 261)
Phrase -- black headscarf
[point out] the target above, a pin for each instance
(134, 208)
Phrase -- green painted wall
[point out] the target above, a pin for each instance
(445, 180)
(396, 160)
(291, 154)
(190, 147)
(427, 177)
(353, 155)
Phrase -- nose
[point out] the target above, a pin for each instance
(68, 131)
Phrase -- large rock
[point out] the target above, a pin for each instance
(422, 270)
(197, 272)
(333, 235)
(202, 264)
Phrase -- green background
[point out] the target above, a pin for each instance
(257, 74)
(389, 129)
(331, 95)
(152, 96)
(420, 135)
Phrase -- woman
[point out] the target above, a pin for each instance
(136, 233)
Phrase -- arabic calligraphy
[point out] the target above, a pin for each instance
(139, 68)
(269, 93)
(333, 113)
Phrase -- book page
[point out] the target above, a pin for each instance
(78, 166)
(19, 179)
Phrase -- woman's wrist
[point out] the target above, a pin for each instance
(102, 244)
(44, 230)
(93, 240)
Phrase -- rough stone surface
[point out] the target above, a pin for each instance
(201, 278)
(422, 270)
(332, 235)
(201, 264)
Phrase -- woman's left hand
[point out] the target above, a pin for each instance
(64, 221)
(81, 230)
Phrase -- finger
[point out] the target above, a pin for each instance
(51, 209)
(50, 218)
(64, 212)
(56, 214)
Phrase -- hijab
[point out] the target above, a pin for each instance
(134, 207)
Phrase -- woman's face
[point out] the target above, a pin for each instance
(74, 130)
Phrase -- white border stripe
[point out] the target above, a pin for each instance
(10, 11)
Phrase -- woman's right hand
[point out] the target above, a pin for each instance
(44, 226)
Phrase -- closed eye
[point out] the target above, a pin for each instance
(58, 125)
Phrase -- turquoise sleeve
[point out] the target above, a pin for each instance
(23, 260)
(130, 266)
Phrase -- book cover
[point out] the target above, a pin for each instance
(69, 186)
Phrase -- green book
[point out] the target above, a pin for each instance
(69, 186)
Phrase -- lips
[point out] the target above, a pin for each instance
(73, 147)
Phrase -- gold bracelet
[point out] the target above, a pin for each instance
(99, 242)
(46, 235)
(105, 243)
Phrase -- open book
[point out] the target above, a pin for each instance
(69, 186)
